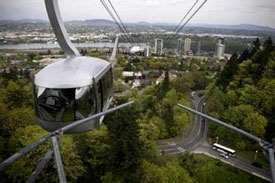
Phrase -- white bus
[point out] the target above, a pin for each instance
(224, 150)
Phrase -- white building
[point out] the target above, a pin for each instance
(136, 49)
(159, 46)
(220, 48)
(148, 50)
(187, 45)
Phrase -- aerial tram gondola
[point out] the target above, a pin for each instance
(73, 88)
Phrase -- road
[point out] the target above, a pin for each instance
(195, 137)
(196, 143)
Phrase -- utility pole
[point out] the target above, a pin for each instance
(256, 154)
(217, 140)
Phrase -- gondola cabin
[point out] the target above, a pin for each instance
(72, 89)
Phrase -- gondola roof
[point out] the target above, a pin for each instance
(72, 72)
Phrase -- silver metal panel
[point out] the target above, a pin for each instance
(113, 56)
(103, 72)
(73, 72)
(59, 28)
(52, 126)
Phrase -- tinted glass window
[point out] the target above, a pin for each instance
(85, 102)
(106, 82)
(55, 104)
(64, 105)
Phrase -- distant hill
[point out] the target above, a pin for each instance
(99, 22)
(236, 27)
(144, 23)
(23, 21)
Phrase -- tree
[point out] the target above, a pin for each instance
(255, 124)
(251, 95)
(151, 173)
(200, 81)
(255, 47)
(166, 110)
(183, 84)
(159, 123)
(117, 73)
(22, 168)
(149, 131)
(165, 85)
(245, 117)
(170, 172)
(126, 149)
(176, 174)
(244, 56)
(94, 149)
(17, 94)
(228, 72)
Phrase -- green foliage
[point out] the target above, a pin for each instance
(183, 84)
(94, 149)
(16, 118)
(159, 123)
(18, 94)
(174, 118)
(22, 169)
(126, 149)
(170, 172)
(246, 94)
(203, 169)
(228, 72)
(245, 117)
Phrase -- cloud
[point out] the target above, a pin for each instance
(214, 11)
(175, 2)
(152, 3)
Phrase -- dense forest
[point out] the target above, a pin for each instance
(243, 95)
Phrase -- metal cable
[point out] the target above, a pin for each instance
(189, 18)
(121, 22)
(176, 28)
(115, 20)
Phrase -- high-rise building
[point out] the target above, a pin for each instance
(187, 45)
(159, 47)
(199, 48)
(148, 50)
(220, 48)
(179, 46)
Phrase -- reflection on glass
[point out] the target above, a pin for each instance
(64, 105)
(106, 82)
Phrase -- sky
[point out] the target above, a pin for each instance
(258, 12)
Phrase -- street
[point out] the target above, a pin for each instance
(196, 143)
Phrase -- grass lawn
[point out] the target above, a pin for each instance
(228, 174)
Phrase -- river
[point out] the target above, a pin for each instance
(78, 45)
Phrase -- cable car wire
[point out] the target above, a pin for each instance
(113, 17)
(176, 28)
(115, 20)
(197, 10)
(121, 22)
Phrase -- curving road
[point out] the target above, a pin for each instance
(196, 143)
(194, 139)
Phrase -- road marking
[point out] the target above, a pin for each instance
(171, 143)
(167, 150)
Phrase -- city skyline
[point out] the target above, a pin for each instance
(154, 11)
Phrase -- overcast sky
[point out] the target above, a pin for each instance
(259, 12)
